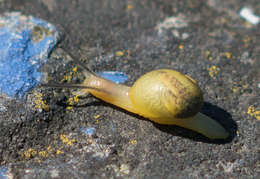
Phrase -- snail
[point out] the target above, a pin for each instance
(164, 96)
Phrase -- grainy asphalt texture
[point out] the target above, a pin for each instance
(41, 135)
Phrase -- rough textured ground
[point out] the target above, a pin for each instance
(42, 136)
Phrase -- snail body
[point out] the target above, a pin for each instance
(160, 95)
(164, 96)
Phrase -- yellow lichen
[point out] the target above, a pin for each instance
(97, 116)
(133, 141)
(67, 78)
(43, 154)
(213, 70)
(239, 87)
(76, 98)
(30, 153)
(71, 101)
(58, 152)
(39, 103)
(119, 53)
(66, 140)
(49, 151)
(74, 73)
(252, 111)
(69, 107)
(235, 89)
(228, 55)
(75, 69)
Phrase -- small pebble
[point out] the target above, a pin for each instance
(3, 172)
(249, 16)
(88, 131)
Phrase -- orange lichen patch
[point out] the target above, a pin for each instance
(129, 7)
(66, 140)
(119, 53)
(180, 46)
(252, 111)
(133, 141)
(213, 70)
(39, 103)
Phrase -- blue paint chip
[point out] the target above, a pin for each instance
(25, 43)
(115, 76)
(3, 172)
(89, 131)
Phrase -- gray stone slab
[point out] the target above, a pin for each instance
(43, 135)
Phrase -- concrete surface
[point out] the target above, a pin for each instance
(53, 133)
